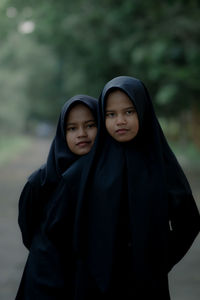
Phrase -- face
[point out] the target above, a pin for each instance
(81, 129)
(121, 117)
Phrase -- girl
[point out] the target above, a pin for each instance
(135, 215)
(44, 276)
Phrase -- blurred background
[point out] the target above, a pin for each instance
(51, 50)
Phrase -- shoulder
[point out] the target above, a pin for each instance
(33, 188)
(37, 178)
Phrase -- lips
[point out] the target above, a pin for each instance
(83, 143)
(121, 130)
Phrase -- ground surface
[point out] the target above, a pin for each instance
(184, 279)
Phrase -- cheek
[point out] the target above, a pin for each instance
(69, 139)
(66, 138)
(109, 125)
(135, 124)
(93, 134)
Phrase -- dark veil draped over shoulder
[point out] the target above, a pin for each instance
(43, 182)
(162, 215)
(49, 270)
(60, 157)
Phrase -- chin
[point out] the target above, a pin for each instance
(122, 139)
(83, 152)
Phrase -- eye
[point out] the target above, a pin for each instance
(110, 114)
(91, 125)
(130, 112)
(71, 128)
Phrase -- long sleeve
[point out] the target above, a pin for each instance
(30, 210)
(185, 225)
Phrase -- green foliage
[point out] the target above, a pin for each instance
(76, 46)
(8, 143)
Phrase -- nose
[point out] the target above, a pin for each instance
(82, 132)
(121, 120)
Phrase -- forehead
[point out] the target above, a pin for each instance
(79, 112)
(117, 99)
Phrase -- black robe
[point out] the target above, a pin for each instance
(48, 270)
(135, 215)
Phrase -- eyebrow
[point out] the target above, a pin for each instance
(110, 110)
(88, 121)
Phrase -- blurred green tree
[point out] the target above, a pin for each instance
(80, 45)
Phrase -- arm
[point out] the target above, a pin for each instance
(29, 212)
(184, 225)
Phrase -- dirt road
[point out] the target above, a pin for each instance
(12, 178)
(184, 279)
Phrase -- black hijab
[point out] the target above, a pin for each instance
(43, 183)
(60, 156)
(145, 173)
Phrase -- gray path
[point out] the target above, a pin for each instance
(184, 279)
(12, 178)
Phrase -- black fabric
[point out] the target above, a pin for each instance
(46, 273)
(49, 271)
(156, 193)
(43, 182)
(60, 157)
